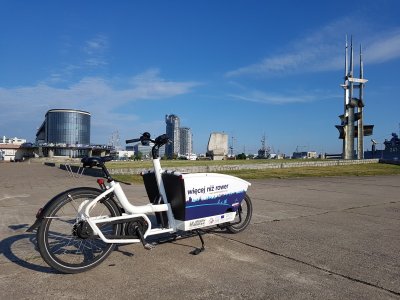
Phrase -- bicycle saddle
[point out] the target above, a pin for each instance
(93, 161)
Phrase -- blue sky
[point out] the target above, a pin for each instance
(242, 67)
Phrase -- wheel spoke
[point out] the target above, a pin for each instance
(67, 243)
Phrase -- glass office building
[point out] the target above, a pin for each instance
(68, 126)
(65, 128)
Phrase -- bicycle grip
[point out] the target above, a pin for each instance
(132, 141)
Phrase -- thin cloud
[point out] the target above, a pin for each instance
(281, 99)
(97, 95)
(92, 55)
(96, 62)
(99, 90)
(264, 98)
(310, 53)
(96, 49)
(149, 85)
(96, 45)
(323, 50)
(384, 48)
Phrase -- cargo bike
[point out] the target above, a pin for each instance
(80, 227)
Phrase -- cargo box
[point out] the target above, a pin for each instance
(199, 199)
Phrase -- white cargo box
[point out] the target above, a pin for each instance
(211, 199)
(200, 199)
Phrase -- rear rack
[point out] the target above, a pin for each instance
(74, 174)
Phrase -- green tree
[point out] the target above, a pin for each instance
(138, 156)
(241, 156)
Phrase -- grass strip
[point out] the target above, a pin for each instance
(348, 170)
(197, 163)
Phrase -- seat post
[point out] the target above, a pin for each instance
(105, 171)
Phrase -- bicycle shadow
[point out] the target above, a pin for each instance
(21, 250)
(26, 255)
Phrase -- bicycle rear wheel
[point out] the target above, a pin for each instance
(68, 244)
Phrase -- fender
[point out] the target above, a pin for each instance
(42, 212)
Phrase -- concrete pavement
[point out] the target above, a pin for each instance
(330, 238)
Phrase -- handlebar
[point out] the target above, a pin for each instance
(158, 142)
(145, 138)
(132, 141)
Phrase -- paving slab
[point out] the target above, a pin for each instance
(315, 238)
(328, 193)
(356, 246)
(227, 270)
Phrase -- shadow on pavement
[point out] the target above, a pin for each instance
(23, 256)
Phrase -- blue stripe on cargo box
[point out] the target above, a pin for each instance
(212, 206)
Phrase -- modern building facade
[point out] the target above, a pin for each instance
(139, 148)
(145, 150)
(181, 137)
(186, 143)
(173, 132)
(66, 130)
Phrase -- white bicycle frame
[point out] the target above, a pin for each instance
(132, 211)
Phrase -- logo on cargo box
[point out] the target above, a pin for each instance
(196, 223)
(212, 189)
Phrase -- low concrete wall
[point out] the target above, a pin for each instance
(56, 160)
(297, 164)
(389, 161)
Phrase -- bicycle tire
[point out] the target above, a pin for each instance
(59, 244)
(246, 211)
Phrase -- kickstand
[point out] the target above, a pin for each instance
(146, 246)
(198, 250)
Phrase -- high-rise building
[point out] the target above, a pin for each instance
(186, 146)
(172, 130)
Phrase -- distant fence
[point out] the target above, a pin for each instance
(277, 165)
(199, 169)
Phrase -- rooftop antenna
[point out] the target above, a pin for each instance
(345, 60)
(231, 148)
(351, 57)
(360, 122)
(265, 151)
(263, 142)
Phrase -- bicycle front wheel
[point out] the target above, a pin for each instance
(243, 216)
(68, 244)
